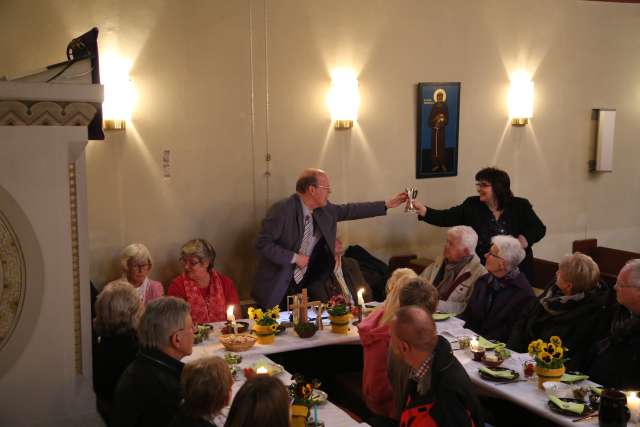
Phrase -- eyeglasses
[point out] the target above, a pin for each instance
(325, 187)
(494, 255)
(141, 267)
(191, 262)
(482, 184)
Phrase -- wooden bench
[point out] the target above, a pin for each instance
(609, 260)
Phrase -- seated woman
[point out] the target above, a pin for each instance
(575, 308)
(136, 264)
(262, 400)
(499, 296)
(456, 271)
(206, 386)
(615, 360)
(345, 279)
(118, 309)
(207, 291)
(374, 334)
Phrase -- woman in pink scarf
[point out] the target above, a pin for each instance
(374, 335)
(207, 291)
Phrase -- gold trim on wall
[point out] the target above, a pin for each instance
(75, 259)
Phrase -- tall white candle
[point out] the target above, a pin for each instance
(232, 318)
(475, 344)
(361, 298)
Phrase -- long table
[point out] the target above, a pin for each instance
(523, 393)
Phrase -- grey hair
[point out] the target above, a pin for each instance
(633, 267)
(117, 308)
(136, 252)
(162, 317)
(467, 235)
(510, 250)
(201, 249)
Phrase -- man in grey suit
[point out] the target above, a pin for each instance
(297, 225)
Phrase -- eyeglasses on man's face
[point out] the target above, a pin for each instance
(325, 187)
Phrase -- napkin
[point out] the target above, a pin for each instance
(486, 343)
(576, 408)
(498, 374)
(573, 378)
(441, 316)
(596, 390)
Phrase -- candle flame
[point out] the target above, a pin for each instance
(262, 370)
(230, 311)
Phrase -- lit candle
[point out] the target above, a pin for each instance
(232, 318)
(633, 403)
(475, 344)
(361, 298)
(262, 370)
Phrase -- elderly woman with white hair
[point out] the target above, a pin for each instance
(136, 263)
(499, 296)
(456, 271)
(118, 309)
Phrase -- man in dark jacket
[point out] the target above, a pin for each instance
(439, 392)
(148, 393)
(615, 360)
(575, 308)
(296, 228)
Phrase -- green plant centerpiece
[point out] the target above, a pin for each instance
(339, 314)
(549, 358)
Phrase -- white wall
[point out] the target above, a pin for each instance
(221, 83)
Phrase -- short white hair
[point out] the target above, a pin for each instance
(510, 250)
(633, 267)
(137, 252)
(467, 235)
(117, 308)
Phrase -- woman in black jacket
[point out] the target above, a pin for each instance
(118, 309)
(495, 210)
(575, 308)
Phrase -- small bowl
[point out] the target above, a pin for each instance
(237, 342)
(492, 363)
(227, 329)
(306, 330)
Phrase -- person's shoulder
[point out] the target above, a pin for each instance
(285, 203)
(176, 282)
(520, 202)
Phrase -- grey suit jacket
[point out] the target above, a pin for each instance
(281, 236)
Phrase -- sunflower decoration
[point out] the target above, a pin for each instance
(265, 318)
(301, 390)
(548, 355)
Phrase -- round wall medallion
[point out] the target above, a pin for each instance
(12, 279)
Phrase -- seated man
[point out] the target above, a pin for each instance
(148, 393)
(615, 360)
(439, 392)
(455, 271)
(345, 279)
(499, 296)
(574, 308)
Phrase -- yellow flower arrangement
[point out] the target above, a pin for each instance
(549, 355)
(265, 318)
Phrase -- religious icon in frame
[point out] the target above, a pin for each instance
(438, 126)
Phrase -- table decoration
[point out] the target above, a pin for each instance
(498, 374)
(241, 328)
(492, 360)
(549, 359)
(231, 318)
(301, 392)
(339, 314)
(440, 316)
(573, 377)
(569, 407)
(265, 366)
(265, 323)
(476, 349)
(633, 403)
(306, 330)
(201, 333)
(464, 342)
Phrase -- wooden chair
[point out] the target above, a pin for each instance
(609, 260)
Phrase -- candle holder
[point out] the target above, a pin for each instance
(357, 311)
(478, 353)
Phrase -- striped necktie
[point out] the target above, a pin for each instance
(298, 273)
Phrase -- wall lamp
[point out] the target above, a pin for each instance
(344, 98)
(119, 93)
(520, 98)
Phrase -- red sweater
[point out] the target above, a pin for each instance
(177, 289)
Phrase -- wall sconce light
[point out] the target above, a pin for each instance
(520, 98)
(119, 93)
(344, 98)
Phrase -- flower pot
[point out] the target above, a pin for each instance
(340, 324)
(548, 375)
(299, 414)
(265, 333)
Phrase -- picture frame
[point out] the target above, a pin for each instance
(438, 129)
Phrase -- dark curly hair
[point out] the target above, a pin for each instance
(500, 183)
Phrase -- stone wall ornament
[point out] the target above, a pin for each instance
(46, 113)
